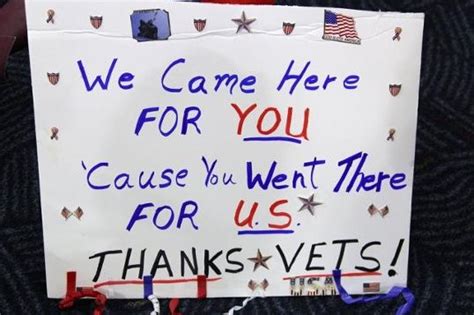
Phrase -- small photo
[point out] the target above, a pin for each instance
(148, 25)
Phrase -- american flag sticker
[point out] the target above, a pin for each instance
(371, 287)
(339, 27)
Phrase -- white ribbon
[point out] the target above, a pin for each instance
(258, 293)
(156, 304)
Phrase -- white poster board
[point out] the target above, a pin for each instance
(260, 146)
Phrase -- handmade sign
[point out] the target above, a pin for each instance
(224, 149)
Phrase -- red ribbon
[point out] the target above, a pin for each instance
(201, 287)
(173, 306)
(73, 294)
(201, 294)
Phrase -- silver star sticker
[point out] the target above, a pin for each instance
(243, 22)
(309, 204)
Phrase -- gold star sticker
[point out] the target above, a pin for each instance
(260, 260)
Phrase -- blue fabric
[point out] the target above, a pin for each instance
(147, 286)
(393, 293)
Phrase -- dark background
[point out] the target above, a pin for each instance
(442, 231)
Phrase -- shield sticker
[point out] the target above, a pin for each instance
(288, 28)
(199, 24)
(96, 21)
(53, 78)
(395, 89)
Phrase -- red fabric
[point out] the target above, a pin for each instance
(71, 282)
(173, 306)
(241, 1)
(12, 30)
(6, 45)
(13, 22)
(73, 294)
(201, 287)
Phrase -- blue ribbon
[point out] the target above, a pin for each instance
(392, 294)
(147, 286)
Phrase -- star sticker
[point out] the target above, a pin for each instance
(260, 260)
(309, 204)
(243, 22)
